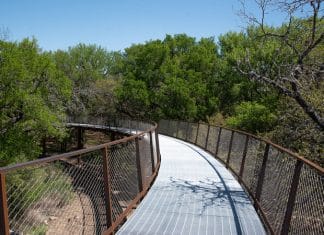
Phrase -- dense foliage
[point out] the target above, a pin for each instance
(173, 78)
(251, 80)
(32, 97)
(88, 68)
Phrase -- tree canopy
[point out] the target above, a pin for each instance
(173, 78)
(266, 80)
(32, 98)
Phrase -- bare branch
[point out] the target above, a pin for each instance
(252, 75)
(310, 48)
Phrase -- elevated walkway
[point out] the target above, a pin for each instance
(193, 194)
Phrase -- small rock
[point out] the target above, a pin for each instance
(46, 222)
(52, 218)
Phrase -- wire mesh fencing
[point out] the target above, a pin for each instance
(288, 190)
(87, 191)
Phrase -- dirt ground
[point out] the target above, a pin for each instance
(74, 219)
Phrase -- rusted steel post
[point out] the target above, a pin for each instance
(197, 134)
(107, 187)
(229, 149)
(152, 152)
(218, 140)
(80, 138)
(244, 156)
(138, 166)
(187, 129)
(207, 136)
(262, 173)
(292, 197)
(4, 221)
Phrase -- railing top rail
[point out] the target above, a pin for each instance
(76, 153)
(280, 148)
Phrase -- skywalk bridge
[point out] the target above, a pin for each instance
(193, 178)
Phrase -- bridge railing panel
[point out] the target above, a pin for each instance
(252, 164)
(182, 130)
(202, 135)
(51, 196)
(224, 144)
(236, 154)
(87, 191)
(192, 132)
(163, 126)
(277, 182)
(212, 139)
(308, 212)
(288, 190)
(124, 183)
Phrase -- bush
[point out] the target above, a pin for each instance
(253, 117)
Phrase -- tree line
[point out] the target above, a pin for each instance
(265, 80)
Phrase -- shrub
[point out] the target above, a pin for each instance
(253, 117)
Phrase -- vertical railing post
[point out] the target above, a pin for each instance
(229, 149)
(4, 221)
(207, 136)
(80, 138)
(262, 173)
(292, 198)
(218, 140)
(107, 187)
(197, 134)
(138, 166)
(152, 152)
(244, 156)
(157, 144)
(187, 130)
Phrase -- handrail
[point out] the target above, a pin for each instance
(89, 173)
(287, 189)
(295, 155)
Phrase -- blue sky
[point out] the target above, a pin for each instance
(116, 24)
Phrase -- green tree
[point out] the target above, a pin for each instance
(85, 65)
(299, 42)
(32, 97)
(158, 66)
(253, 117)
(234, 87)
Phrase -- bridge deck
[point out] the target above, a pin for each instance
(193, 194)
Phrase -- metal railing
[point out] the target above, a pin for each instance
(287, 190)
(87, 191)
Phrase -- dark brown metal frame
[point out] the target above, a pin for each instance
(256, 196)
(143, 186)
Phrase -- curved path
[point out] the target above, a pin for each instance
(193, 194)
